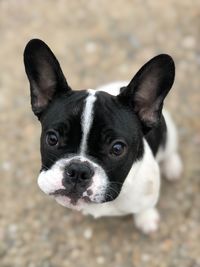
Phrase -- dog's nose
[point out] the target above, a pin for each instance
(78, 173)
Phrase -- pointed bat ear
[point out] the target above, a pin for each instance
(44, 74)
(148, 89)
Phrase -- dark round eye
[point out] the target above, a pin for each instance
(118, 148)
(52, 138)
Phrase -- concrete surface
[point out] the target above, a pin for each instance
(96, 42)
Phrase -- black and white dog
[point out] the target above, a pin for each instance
(100, 149)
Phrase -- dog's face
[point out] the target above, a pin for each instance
(90, 140)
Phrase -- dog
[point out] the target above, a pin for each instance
(101, 150)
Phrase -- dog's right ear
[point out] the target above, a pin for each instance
(147, 90)
(44, 73)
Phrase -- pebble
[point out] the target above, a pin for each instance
(6, 165)
(88, 233)
(145, 257)
(12, 229)
(189, 42)
(90, 47)
(100, 260)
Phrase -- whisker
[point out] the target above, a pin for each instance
(110, 188)
(43, 165)
(53, 154)
(110, 196)
(116, 183)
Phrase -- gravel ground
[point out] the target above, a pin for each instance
(96, 42)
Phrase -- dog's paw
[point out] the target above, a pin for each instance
(147, 221)
(172, 167)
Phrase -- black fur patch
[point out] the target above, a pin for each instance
(114, 121)
(64, 116)
(157, 136)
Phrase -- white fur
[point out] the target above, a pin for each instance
(98, 186)
(147, 221)
(172, 139)
(172, 167)
(51, 180)
(171, 164)
(112, 88)
(87, 119)
(140, 190)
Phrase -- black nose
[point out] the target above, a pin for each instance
(78, 173)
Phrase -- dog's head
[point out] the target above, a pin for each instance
(91, 139)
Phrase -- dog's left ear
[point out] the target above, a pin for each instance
(45, 75)
(148, 88)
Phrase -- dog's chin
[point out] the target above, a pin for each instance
(71, 203)
(75, 203)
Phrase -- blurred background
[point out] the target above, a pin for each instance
(96, 42)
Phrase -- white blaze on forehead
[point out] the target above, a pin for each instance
(87, 119)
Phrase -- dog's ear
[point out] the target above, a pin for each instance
(148, 88)
(44, 74)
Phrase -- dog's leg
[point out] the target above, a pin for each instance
(172, 167)
(147, 221)
(171, 164)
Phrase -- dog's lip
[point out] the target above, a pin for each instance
(73, 198)
(61, 192)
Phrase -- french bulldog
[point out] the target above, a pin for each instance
(103, 150)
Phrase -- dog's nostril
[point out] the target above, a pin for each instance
(85, 174)
(71, 173)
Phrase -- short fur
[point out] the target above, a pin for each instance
(100, 148)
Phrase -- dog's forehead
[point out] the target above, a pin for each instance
(106, 105)
(65, 107)
(108, 109)
(97, 107)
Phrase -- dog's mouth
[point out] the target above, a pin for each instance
(73, 196)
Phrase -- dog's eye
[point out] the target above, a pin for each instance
(118, 148)
(52, 138)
